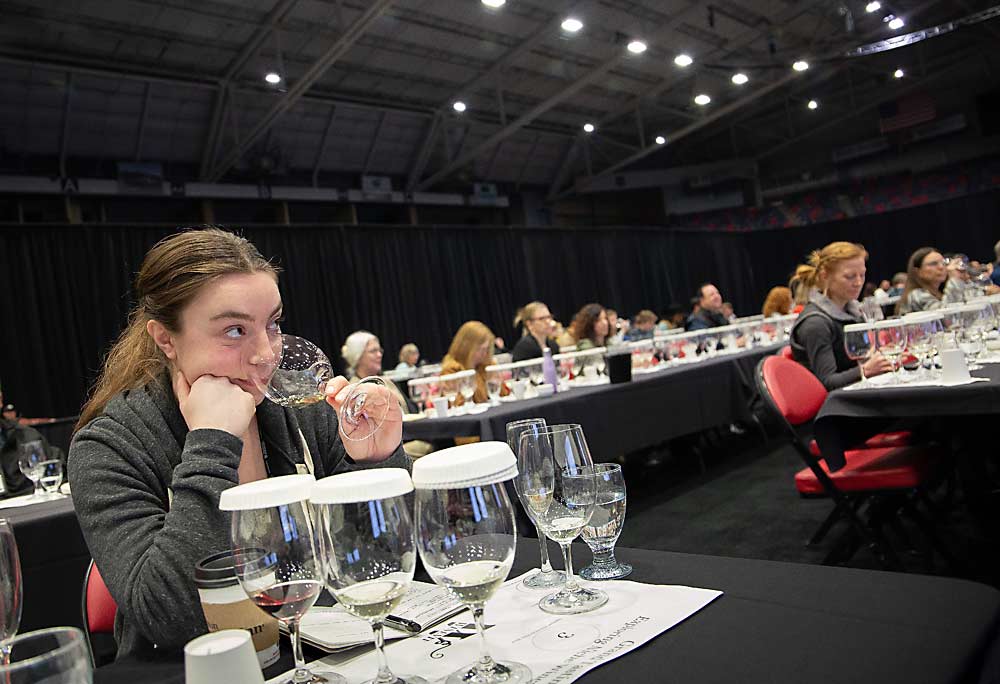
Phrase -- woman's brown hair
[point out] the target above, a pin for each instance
(469, 337)
(582, 327)
(913, 279)
(171, 275)
(779, 301)
(820, 262)
(527, 313)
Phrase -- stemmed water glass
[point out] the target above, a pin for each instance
(859, 344)
(366, 533)
(546, 578)
(296, 374)
(276, 555)
(494, 384)
(558, 483)
(30, 459)
(921, 333)
(891, 336)
(601, 533)
(10, 588)
(466, 537)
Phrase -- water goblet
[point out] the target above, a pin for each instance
(52, 477)
(560, 487)
(30, 457)
(10, 588)
(601, 533)
(466, 537)
(546, 578)
(276, 555)
(366, 534)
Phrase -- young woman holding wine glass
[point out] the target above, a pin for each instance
(178, 416)
(835, 274)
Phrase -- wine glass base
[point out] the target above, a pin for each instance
(545, 580)
(314, 678)
(400, 679)
(606, 572)
(506, 672)
(565, 602)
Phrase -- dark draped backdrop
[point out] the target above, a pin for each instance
(66, 289)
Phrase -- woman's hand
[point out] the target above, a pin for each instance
(384, 442)
(214, 403)
(876, 365)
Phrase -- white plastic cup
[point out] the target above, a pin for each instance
(441, 407)
(519, 388)
(953, 367)
(223, 656)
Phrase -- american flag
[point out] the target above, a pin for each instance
(906, 112)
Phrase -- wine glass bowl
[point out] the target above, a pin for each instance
(605, 525)
(295, 374)
(859, 345)
(30, 459)
(365, 408)
(57, 655)
(10, 588)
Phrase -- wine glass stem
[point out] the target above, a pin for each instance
(486, 665)
(385, 675)
(5, 650)
(571, 584)
(38, 489)
(543, 550)
(301, 673)
(861, 368)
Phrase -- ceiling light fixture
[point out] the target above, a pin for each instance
(812, 104)
(801, 65)
(272, 77)
(702, 99)
(660, 140)
(896, 23)
(571, 25)
(683, 60)
(494, 4)
(636, 47)
(740, 78)
(873, 7)
(898, 73)
(588, 128)
(459, 106)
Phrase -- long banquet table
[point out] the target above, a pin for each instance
(619, 419)
(776, 622)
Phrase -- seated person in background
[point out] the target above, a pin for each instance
(12, 435)
(925, 276)
(959, 287)
(728, 312)
(408, 357)
(898, 284)
(537, 326)
(708, 313)
(800, 293)
(836, 275)
(673, 318)
(615, 325)
(881, 293)
(177, 417)
(362, 354)
(995, 273)
(868, 290)
(645, 325)
(778, 302)
(590, 327)
(471, 349)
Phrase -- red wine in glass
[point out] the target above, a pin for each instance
(288, 599)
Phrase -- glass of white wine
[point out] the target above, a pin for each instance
(366, 534)
(891, 337)
(466, 538)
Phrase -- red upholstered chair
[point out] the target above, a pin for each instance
(99, 610)
(786, 352)
(887, 479)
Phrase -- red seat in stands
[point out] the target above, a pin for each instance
(99, 608)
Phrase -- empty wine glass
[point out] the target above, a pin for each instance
(58, 655)
(921, 331)
(365, 530)
(494, 384)
(296, 375)
(467, 386)
(561, 491)
(30, 456)
(547, 578)
(601, 533)
(275, 554)
(52, 477)
(466, 537)
(891, 336)
(10, 588)
(871, 310)
(859, 344)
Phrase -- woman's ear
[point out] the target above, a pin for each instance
(162, 337)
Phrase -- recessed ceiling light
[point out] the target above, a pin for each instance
(273, 78)
(588, 128)
(572, 25)
(873, 7)
(801, 65)
(660, 140)
(702, 99)
(812, 104)
(896, 23)
(683, 60)
(740, 78)
(898, 73)
(494, 4)
(636, 47)
(459, 106)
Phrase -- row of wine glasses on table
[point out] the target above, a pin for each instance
(922, 335)
(354, 534)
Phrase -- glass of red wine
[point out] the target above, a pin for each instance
(276, 554)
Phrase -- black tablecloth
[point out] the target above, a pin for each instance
(844, 410)
(619, 419)
(54, 558)
(779, 622)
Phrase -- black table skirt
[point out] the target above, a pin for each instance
(619, 419)
(846, 413)
(779, 622)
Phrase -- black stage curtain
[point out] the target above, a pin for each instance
(66, 289)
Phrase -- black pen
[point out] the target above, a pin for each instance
(403, 624)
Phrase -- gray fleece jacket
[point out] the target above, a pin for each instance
(146, 491)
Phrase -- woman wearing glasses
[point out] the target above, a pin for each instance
(926, 273)
(537, 327)
(362, 354)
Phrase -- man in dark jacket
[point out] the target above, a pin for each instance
(12, 435)
(708, 313)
